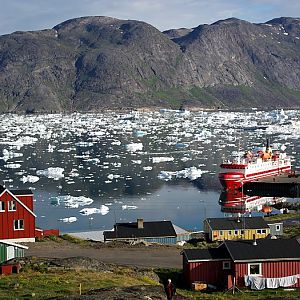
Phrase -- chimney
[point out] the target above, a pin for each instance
(254, 243)
(140, 223)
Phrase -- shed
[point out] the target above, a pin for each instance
(276, 228)
(8, 252)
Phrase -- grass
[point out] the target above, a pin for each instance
(61, 283)
(281, 217)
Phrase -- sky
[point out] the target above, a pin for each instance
(26, 15)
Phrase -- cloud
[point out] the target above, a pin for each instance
(163, 14)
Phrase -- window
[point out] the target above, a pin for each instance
(226, 265)
(2, 206)
(242, 231)
(18, 224)
(229, 232)
(264, 231)
(258, 231)
(254, 269)
(278, 227)
(236, 232)
(221, 232)
(11, 205)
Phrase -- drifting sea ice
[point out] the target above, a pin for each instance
(71, 201)
(30, 178)
(128, 207)
(191, 173)
(68, 220)
(103, 210)
(162, 159)
(9, 154)
(54, 173)
(134, 147)
(12, 166)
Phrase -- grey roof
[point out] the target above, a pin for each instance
(151, 229)
(235, 223)
(206, 254)
(266, 249)
(21, 192)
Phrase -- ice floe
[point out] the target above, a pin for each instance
(191, 173)
(103, 210)
(52, 172)
(71, 201)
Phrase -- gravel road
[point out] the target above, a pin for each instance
(140, 255)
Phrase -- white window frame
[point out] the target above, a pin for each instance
(258, 231)
(12, 205)
(19, 224)
(226, 265)
(259, 266)
(278, 227)
(2, 206)
(236, 232)
(229, 232)
(264, 231)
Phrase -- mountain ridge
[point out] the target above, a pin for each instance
(100, 63)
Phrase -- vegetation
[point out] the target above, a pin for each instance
(44, 283)
(281, 217)
(58, 283)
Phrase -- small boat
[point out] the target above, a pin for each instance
(252, 166)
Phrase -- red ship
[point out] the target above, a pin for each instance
(252, 166)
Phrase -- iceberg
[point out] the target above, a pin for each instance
(68, 220)
(30, 178)
(71, 201)
(54, 173)
(191, 173)
(134, 147)
(162, 159)
(103, 210)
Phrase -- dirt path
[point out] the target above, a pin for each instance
(143, 256)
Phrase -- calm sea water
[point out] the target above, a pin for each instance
(115, 165)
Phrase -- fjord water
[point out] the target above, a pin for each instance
(115, 165)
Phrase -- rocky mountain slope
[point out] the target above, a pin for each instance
(98, 63)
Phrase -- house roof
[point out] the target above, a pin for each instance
(266, 249)
(235, 224)
(151, 229)
(245, 251)
(21, 192)
(206, 254)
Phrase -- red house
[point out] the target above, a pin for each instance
(264, 263)
(17, 219)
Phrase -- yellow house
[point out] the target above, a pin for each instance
(220, 229)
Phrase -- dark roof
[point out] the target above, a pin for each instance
(151, 229)
(21, 192)
(17, 192)
(237, 223)
(266, 249)
(206, 254)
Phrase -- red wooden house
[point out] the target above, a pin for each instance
(264, 263)
(17, 219)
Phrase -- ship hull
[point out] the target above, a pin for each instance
(235, 180)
